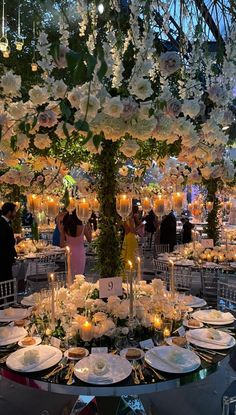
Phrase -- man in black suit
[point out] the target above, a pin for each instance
(7, 241)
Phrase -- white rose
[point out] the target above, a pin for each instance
(113, 107)
(38, 95)
(129, 148)
(59, 89)
(22, 140)
(169, 63)
(141, 88)
(17, 110)
(191, 107)
(11, 83)
(144, 110)
(89, 106)
(74, 97)
(42, 141)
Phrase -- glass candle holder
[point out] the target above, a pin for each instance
(166, 328)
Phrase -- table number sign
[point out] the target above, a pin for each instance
(147, 344)
(99, 350)
(110, 286)
(207, 243)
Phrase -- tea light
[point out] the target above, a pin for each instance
(86, 331)
(124, 206)
(157, 322)
(83, 210)
(178, 201)
(166, 332)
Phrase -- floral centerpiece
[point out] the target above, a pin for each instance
(218, 254)
(80, 306)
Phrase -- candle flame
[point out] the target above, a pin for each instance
(51, 276)
(87, 324)
(138, 259)
(68, 249)
(171, 262)
(130, 264)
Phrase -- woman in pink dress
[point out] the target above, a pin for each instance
(74, 233)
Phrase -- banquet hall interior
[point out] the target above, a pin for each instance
(118, 207)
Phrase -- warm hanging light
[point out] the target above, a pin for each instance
(146, 204)
(34, 66)
(158, 205)
(124, 206)
(178, 201)
(100, 8)
(83, 210)
(72, 205)
(6, 53)
(19, 41)
(95, 205)
(209, 206)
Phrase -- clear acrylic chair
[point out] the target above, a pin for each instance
(161, 249)
(209, 278)
(183, 279)
(39, 278)
(161, 270)
(8, 293)
(226, 293)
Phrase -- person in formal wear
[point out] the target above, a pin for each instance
(7, 241)
(130, 243)
(168, 231)
(73, 234)
(58, 231)
(187, 230)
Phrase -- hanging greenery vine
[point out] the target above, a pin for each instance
(213, 227)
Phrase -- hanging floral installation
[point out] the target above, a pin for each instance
(113, 103)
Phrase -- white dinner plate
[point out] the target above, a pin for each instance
(16, 314)
(206, 344)
(10, 335)
(186, 324)
(172, 359)
(124, 351)
(28, 301)
(76, 358)
(37, 339)
(205, 317)
(49, 356)
(118, 369)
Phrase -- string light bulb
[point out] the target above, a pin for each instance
(100, 8)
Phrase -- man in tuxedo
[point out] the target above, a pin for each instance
(7, 241)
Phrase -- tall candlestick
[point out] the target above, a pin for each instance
(172, 280)
(226, 240)
(139, 272)
(68, 263)
(131, 291)
(52, 298)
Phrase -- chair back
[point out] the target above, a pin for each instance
(161, 249)
(209, 279)
(8, 293)
(183, 279)
(161, 270)
(226, 293)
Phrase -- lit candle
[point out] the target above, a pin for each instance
(124, 206)
(131, 291)
(139, 272)
(157, 322)
(209, 206)
(177, 201)
(166, 332)
(86, 331)
(83, 210)
(51, 276)
(146, 204)
(226, 239)
(172, 280)
(68, 263)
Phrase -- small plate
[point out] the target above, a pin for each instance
(76, 358)
(186, 324)
(118, 369)
(124, 351)
(37, 339)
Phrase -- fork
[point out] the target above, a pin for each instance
(61, 365)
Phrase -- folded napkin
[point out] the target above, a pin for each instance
(17, 313)
(167, 360)
(17, 362)
(10, 334)
(201, 335)
(207, 315)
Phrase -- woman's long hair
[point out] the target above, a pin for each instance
(70, 223)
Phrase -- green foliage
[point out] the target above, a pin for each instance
(108, 243)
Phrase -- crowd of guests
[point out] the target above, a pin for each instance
(70, 231)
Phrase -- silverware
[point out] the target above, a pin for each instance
(4, 359)
(136, 378)
(158, 375)
(71, 380)
(56, 370)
